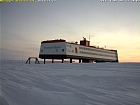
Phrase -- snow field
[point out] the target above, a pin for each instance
(70, 84)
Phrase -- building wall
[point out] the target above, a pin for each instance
(76, 51)
(72, 49)
(53, 48)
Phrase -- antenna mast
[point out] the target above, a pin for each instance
(89, 37)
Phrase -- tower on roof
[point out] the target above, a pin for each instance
(84, 42)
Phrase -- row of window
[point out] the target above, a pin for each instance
(85, 48)
(56, 50)
(82, 52)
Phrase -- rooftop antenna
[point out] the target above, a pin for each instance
(89, 37)
(84, 38)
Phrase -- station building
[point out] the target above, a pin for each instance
(60, 49)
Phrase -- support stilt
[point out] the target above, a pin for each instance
(36, 60)
(44, 61)
(52, 60)
(27, 61)
(79, 60)
(62, 60)
(70, 60)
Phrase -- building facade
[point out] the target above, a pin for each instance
(60, 49)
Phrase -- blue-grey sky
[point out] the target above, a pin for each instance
(112, 24)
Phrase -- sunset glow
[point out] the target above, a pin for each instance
(109, 25)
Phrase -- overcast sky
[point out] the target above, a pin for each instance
(115, 25)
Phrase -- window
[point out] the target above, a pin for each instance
(76, 51)
(62, 50)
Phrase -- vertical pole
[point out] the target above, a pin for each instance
(79, 60)
(70, 60)
(22, 56)
(62, 60)
(52, 60)
(35, 60)
(44, 61)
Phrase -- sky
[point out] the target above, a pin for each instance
(115, 25)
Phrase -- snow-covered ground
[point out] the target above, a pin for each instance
(70, 84)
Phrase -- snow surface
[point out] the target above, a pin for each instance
(69, 84)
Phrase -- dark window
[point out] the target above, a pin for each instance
(62, 50)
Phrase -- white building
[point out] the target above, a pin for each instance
(60, 49)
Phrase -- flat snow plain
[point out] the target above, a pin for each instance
(69, 84)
